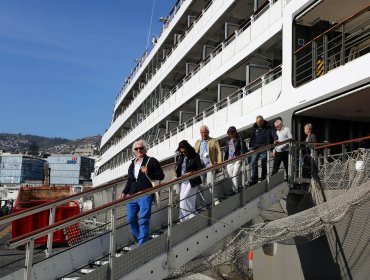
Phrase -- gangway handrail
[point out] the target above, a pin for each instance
(366, 9)
(25, 238)
(57, 202)
(54, 203)
(343, 143)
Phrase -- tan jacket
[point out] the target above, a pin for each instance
(213, 149)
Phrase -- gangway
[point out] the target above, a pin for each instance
(105, 249)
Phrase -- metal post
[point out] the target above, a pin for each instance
(312, 152)
(314, 58)
(325, 53)
(170, 262)
(211, 205)
(114, 193)
(243, 183)
(342, 54)
(290, 164)
(169, 221)
(344, 156)
(295, 70)
(249, 171)
(29, 260)
(300, 164)
(49, 244)
(268, 171)
(112, 243)
(326, 151)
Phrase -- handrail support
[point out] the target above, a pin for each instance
(49, 244)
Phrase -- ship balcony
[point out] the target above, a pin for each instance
(269, 12)
(338, 45)
(199, 26)
(234, 109)
(249, 36)
(143, 61)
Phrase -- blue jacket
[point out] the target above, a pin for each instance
(261, 136)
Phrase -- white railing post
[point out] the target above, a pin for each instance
(49, 244)
(170, 262)
(268, 171)
(290, 164)
(169, 220)
(211, 205)
(29, 260)
(243, 182)
(112, 243)
(300, 171)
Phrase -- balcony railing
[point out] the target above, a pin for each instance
(337, 46)
(254, 86)
(143, 58)
(222, 46)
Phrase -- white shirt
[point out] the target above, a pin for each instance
(283, 134)
(138, 163)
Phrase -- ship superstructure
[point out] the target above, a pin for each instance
(222, 63)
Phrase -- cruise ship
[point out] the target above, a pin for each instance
(221, 63)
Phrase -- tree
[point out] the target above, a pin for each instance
(33, 150)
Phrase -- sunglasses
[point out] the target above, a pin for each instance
(139, 148)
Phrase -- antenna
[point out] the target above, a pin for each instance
(150, 26)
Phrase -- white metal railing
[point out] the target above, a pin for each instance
(111, 209)
(252, 18)
(190, 32)
(260, 86)
(335, 47)
(205, 65)
(143, 58)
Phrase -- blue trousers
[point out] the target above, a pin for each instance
(139, 226)
(255, 158)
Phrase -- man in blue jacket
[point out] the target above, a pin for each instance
(262, 135)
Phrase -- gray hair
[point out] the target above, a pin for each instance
(309, 126)
(278, 122)
(205, 127)
(142, 142)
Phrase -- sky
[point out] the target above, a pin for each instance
(63, 62)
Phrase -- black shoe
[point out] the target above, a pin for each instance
(253, 182)
(229, 193)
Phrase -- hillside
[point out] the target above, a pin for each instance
(33, 144)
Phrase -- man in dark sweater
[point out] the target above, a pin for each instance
(142, 170)
(262, 135)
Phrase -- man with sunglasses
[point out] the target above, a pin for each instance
(141, 171)
(281, 153)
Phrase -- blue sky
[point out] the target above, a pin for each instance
(63, 62)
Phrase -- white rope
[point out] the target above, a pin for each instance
(150, 26)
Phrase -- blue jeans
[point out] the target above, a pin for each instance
(255, 158)
(140, 227)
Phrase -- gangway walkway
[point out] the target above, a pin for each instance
(171, 246)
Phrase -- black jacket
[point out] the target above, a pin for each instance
(240, 148)
(192, 164)
(134, 185)
(268, 133)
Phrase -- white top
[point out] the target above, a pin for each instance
(283, 134)
(137, 167)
